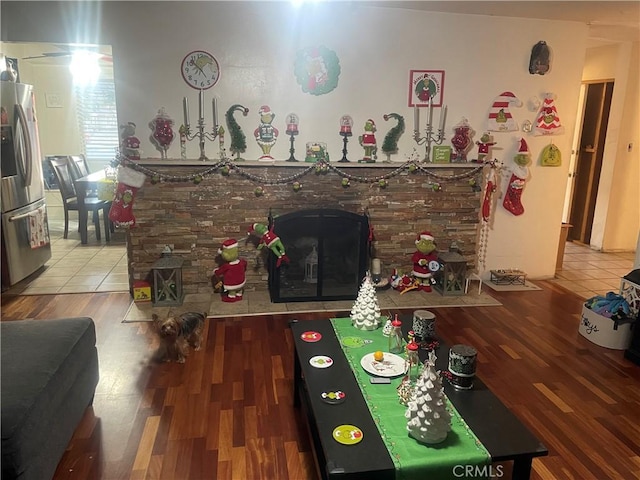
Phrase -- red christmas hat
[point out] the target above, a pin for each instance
(227, 244)
(424, 236)
(524, 148)
(264, 109)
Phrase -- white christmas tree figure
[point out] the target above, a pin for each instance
(429, 420)
(365, 313)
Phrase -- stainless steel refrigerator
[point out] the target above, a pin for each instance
(25, 231)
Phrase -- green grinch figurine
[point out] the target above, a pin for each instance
(231, 272)
(368, 142)
(269, 239)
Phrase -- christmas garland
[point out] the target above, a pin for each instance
(226, 166)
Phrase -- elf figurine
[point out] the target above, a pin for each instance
(269, 239)
(425, 261)
(513, 197)
(232, 272)
(368, 142)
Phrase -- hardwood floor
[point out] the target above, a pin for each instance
(227, 413)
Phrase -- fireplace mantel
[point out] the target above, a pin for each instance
(173, 162)
(196, 217)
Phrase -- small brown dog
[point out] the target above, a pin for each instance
(178, 332)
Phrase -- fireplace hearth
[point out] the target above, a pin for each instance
(328, 252)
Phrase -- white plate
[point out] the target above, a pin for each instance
(321, 361)
(391, 366)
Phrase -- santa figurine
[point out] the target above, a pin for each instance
(232, 271)
(425, 261)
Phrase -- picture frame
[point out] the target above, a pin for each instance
(421, 84)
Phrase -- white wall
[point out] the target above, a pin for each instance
(256, 43)
(617, 214)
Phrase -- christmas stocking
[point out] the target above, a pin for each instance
(129, 181)
(513, 198)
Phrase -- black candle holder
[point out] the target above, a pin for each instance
(292, 137)
(345, 140)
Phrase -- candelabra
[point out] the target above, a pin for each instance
(200, 134)
(429, 137)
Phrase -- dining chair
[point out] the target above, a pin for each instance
(79, 169)
(62, 168)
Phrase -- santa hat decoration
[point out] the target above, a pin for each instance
(500, 119)
(524, 148)
(264, 110)
(548, 122)
(424, 236)
(228, 244)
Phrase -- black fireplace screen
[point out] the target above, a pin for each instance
(328, 253)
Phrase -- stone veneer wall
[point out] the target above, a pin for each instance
(196, 218)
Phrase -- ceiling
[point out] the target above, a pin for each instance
(609, 21)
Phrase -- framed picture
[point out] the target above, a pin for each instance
(424, 84)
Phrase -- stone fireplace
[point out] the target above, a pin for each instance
(194, 218)
(328, 256)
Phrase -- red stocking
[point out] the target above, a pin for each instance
(121, 212)
(129, 181)
(513, 198)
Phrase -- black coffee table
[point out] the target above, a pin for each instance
(499, 430)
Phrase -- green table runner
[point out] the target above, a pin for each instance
(412, 459)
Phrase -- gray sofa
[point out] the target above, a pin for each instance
(49, 375)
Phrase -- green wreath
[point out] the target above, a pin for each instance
(317, 70)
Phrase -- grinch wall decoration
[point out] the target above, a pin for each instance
(317, 70)
(548, 121)
(513, 198)
(238, 138)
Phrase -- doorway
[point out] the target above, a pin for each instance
(589, 155)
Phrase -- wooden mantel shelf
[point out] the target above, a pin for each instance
(157, 162)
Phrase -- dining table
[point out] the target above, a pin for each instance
(83, 185)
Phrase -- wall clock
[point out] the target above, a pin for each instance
(200, 70)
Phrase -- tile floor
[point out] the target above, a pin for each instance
(102, 267)
(98, 266)
(589, 273)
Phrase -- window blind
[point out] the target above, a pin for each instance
(98, 121)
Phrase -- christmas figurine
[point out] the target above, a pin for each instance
(365, 314)
(390, 144)
(484, 146)
(232, 271)
(368, 142)
(513, 197)
(269, 239)
(429, 421)
(130, 144)
(266, 134)
(425, 261)
(238, 138)
(162, 131)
